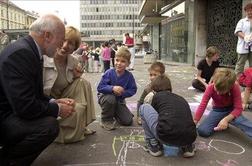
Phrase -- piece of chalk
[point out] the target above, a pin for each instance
(216, 129)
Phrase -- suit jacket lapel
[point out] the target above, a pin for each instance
(39, 61)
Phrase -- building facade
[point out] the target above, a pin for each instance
(13, 17)
(14, 20)
(185, 28)
(102, 20)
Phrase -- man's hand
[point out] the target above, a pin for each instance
(66, 107)
(65, 110)
(118, 90)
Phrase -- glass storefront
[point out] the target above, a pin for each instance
(192, 26)
(174, 35)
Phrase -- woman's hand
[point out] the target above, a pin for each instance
(65, 110)
(67, 101)
(77, 71)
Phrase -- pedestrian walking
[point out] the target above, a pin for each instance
(95, 54)
(106, 53)
(129, 42)
(113, 51)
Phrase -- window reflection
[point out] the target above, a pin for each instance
(174, 34)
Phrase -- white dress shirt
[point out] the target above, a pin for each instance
(242, 26)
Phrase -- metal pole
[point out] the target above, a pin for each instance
(133, 21)
(7, 14)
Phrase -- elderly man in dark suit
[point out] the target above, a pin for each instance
(28, 118)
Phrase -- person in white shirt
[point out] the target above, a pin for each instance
(244, 32)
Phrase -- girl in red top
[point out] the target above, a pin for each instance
(227, 106)
(245, 80)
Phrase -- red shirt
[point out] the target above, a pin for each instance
(129, 41)
(231, 99)
(246, 78)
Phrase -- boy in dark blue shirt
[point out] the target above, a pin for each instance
(116, 85)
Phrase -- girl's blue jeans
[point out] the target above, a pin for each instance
(206, 128)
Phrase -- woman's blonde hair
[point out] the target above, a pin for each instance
(161, 83)
(73, 34)
(223, 79)
(124, 53)
(211, 51)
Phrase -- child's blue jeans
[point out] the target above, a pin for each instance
(206, 128)
(149, 120)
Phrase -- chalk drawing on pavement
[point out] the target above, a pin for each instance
(128, 142)
(194, 106)
(130, 138)
(201, 145)
(239, 148)
(228, 163)
(108, 164)
(132, 106)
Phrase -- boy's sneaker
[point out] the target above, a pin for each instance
(153, 147)
(188, 151)
(108, 125)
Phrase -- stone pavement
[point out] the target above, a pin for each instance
(123, 146)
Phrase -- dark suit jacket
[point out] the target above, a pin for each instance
(21, 85)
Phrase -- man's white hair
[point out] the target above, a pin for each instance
(47, 22)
